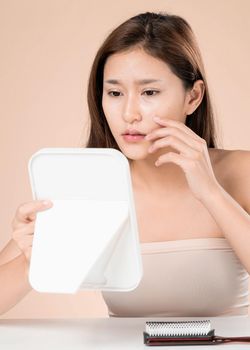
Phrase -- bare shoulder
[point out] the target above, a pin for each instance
(232, 170)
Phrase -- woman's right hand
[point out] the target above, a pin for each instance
(23, 224)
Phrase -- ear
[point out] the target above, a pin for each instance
(194, 97)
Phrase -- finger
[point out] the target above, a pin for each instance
(171, 131)
(172, 157)
(27, 211)
(160, 132)
(177, 124)
(25, 229)
(16, 225)
(176, 143)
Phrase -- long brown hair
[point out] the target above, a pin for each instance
(166, 37)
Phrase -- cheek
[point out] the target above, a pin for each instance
(110, 115)
(110, 109)
(107, 112)
(111, 122)
(171, 108)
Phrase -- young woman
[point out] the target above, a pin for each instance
(148, 97)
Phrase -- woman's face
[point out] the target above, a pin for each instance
(137, 87)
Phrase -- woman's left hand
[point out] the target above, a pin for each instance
(193, 156)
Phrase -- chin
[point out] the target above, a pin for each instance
(134, 154)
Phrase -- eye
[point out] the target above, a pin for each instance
(151, 92)
(110, 93)
(147, 92)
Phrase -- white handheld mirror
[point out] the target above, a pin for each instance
(89, 238)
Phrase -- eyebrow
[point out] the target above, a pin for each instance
(138, 82)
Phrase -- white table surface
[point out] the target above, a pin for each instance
(104, 333)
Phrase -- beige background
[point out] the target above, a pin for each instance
(46, 51)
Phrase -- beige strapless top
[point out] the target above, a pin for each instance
(191, 277)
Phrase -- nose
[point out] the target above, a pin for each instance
(131, 110)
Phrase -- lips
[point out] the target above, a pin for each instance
(133, 138)
(136, 134)
(133, 132)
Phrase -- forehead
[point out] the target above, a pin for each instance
(137, 63)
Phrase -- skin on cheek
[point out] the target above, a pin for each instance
(169, 107)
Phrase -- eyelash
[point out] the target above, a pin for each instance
(156, 92)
